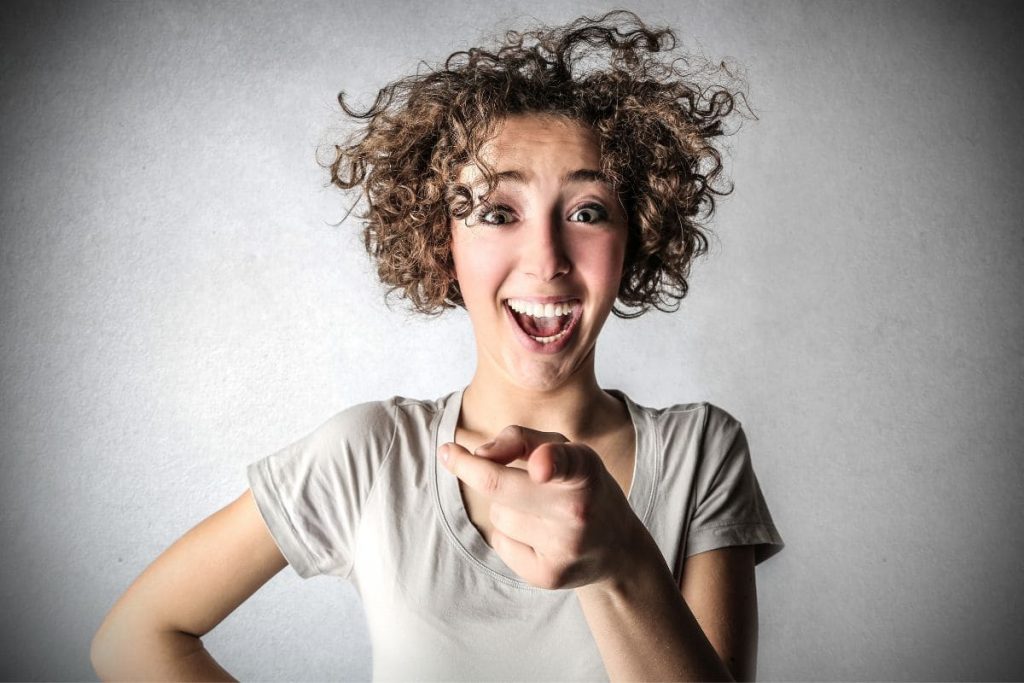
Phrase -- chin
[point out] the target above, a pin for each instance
(540, 376)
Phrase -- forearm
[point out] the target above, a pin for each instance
(166, 655)
(644, 629)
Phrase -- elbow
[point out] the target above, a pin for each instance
(130, 651)
(110, 650)
(100, 656)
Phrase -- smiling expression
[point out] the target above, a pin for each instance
(540, 260)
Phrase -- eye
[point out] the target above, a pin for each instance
(495, 215)
(590, 213)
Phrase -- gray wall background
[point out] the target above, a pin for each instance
(176, 305)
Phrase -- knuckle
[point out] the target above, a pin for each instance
(588, 461)
(517, 434)
(491, 483)
(559, 456)
(579, 511)
(515, 431)
(557, 437)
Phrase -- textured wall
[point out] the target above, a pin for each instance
(176, 304)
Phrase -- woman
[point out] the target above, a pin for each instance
(532, 525)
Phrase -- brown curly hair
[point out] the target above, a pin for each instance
(654, 120)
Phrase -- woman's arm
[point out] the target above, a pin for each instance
(153, 631)
(646, 629)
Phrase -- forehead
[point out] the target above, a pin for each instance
(538, 145)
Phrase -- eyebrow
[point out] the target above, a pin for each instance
(580, 175)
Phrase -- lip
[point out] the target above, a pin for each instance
(551, 347)
(543, 299)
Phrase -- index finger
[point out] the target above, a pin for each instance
(508, 485)
(515, 441)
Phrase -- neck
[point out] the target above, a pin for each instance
(578, 408)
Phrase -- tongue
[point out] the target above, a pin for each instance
(541, 327)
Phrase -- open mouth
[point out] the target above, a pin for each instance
(545, 323)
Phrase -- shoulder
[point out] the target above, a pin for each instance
(372, 421)
(703, 418)
(720, 424)
(379, 421)
(353, 444)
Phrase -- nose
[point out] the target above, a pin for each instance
(544, 253)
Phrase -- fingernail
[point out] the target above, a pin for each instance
(443, 452)
(486, 446)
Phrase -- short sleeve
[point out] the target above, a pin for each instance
(729, 506)
(311, 493)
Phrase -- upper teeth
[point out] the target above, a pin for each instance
(539, 310)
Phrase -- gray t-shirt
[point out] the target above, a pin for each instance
(363, 498)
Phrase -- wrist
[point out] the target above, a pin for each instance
(633, 565)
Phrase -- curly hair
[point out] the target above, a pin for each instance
(654, 119)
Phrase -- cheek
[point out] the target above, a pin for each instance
(478, 267)
(602, 260)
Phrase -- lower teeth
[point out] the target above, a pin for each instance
(548, 340)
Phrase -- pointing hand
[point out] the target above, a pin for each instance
(562, 523)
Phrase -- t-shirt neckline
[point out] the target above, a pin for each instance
(452, 510)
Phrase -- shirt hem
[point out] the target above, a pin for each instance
(278, 523)
(764, 537)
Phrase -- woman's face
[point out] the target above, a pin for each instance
(539, 263)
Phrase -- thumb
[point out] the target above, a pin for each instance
(567, 463)
(515, 442)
